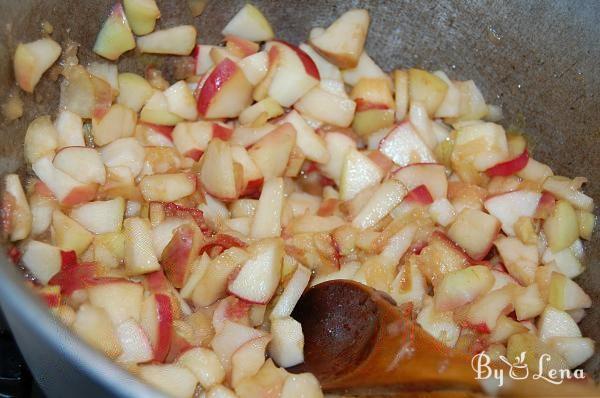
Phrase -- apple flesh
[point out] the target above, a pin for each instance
(142, 15)
(248, 359)
(565, 294)
(385, 198)
(93, 325)
(404, 146)
(554, 322)
(258, 278)
(250, 24)
(265, 109)
(83, 164)
(115, 37)
(561, 228)
(433, 176)
(42, 260)
(575, 350)
(69, 127)
(156, 319)
(181, 101)
(41, 139)
(70, 235)
(204, 364)
(528, 302)
(338, 146)
(134, 91)
(156, 111)
(358, 173)
(567, 189)
(287, 345)
(32, 59)
(474, 231)
(167, 187)
(485, 311)
(343, 41)
(178, 255)
(366, 68)
(139, 253)
(509, 207)
(292, 292)
(230, 339)
(217, 172)
(101, 217)
(481, 145)
(125, 153)
(426, 88)
(173, 380)
(440, 257)
(17, 215)
(267, 219)
(135, 343)
(326, 107)
(272, 152)
(519, 259)
(438, 324)
(179, 40)
(462, 287)
(120, 300)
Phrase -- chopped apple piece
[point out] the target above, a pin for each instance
(509, 207)
(338, 145)
(564, 188)
(41, 139)
(156, 111)
(433, 176)
(83, 164)
(472, 104)
(387, 196)
(181, 101)
(167, 187)
(566, 294)
(401, 94)
(250, 24)
(561, 227)
(343, 41)
(272, 152)
(69, 235)
(450, 105)
(115, 37)
(134, 91)
(217, 173)
(67, 190)
(480, 144)
(267, 219)
(528, 302)
(326, 107)
(93, 325)
(505, 327)
(139, 253)
(586, 222)
(42, 260)
(556, 323)
(441, 256)
(487, 309)
(142, 15)
(442, 212)
(286, 347)
(225, 93)
(326, 69)
(204, 364)
(358, 173)
(101, 217)
(32, 59)
(366, 68)
(404, 146)
(120, 300)
(462, 287)
(230, 339)
(532, 348)
(255, 67)
(248, 359)
(17, 216)
(535, 171)
(134, 342)
(173, 380)
(440, 325)
(311, 144)
(178, 255)
(474, 231)
(292, 292)
(124, 153)
(426, 88)
(267, 106)
(575, 350)
(179, 40)
(519, 259)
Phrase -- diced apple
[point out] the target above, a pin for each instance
(259, 277)
(505, 327)
(475, 232)
(535, 171)
(440, 325)
(480, 144)
(586, 221)
(426, 88)
(358, 173)
(326, 69)
(472, 103)
(343, 41)
(139, 252)
(292, 292)
(287, 346)
(272, 152)
(115, 37)
(156, 111)
(564, 188)
(527, 345)
(462, 287)
(42, 260)
(528, 302)
(556, 323)
(225, 93)
(440, 257)
(268, 107)
(450, 105)
(217, 173)
(255, 67)
(134, 91)
(32, 59)
(566, 294)
(142, 15)
(338, 145)
(487, 309)
(134, 342)
(267, 219)
(442, 212)
(213, 284)
(387, 196)
(41, 139)
(179, 40)
(433, 176)
(575, 350)
(220, 391)
(248, 359)
(124, 152)
(250, 24)
(167, 187)
(70, 235)
(102, 216)
(565, 261)
(519, 259)
(366, 68)
(191, 139)
(69, 127)
(181, 101)
(404, 146)
(401, 93)
(93, 325)
(17, 216)
(156, 318)
(509, 207)
(81, 163)
(230, 339)
(120, 300)
(561, 228)
(173, 380)
(326, 107)
(178, 255)
(204, 364)
(218, 54)
(303, 383)
(246, 136)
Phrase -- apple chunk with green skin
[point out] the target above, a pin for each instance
(259, 276)
(343, 41)
(474, 231)
(15, 208)
(179, 254)
(250, 24)
(32, 59)
(115, 37)
(179, 40)
(142, 15)
(463, 286)
(225, 93)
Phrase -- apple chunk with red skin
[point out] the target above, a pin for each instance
(225, 93)
(31, 60)
(432, 175)
(474, 231)
(258, 278)
(65, 188)
(157, 322)
(177, 257)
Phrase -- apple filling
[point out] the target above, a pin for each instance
(174, 225)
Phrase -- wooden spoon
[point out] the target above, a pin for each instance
(356, 339)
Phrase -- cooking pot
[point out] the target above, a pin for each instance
(538, 60)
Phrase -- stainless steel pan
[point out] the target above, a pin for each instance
(539, 60)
